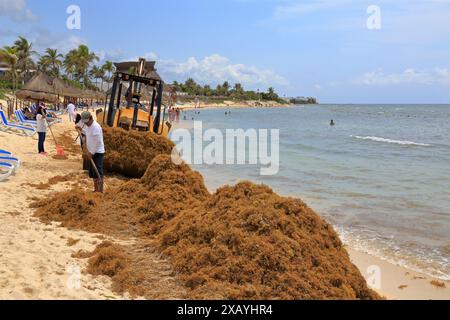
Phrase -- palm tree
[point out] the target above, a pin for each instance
(271, 95)
(77, 63)
(69, 63)
(238, 90)
(108, 66)
(84, 60)
(101, 76)
(226, 86)
(52, 60)
(42, 65)
(97, 73)
(9, 56)
(24, 54)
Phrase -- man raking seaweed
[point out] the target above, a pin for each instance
(94, 149)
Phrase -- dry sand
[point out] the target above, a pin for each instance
(36, 261)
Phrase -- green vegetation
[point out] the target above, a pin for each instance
(9, 55)
(225, 92)
(6, 87)
(78, 66)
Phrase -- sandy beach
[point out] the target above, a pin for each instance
(36, 259)
(231, 105)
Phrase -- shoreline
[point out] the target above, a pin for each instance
(231, 105)
(397, 282)
(35, 257)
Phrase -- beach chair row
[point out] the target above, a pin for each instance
(8, 164)
(27, 122)
(5, 125)
(33, 109)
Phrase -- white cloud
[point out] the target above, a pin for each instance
(16, 10)
(215, 69)
(63, 42)
(436, 76)
(111, 55)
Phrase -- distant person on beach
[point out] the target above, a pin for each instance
(41, 129)
(332, 123)
(71, 111)
(178, 115)
(94, 150)
(28, 114)
(51, 116)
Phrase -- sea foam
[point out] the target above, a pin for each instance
(400, 142)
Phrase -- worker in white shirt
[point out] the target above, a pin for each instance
(94, 149)
(41, 129)
(71, 110)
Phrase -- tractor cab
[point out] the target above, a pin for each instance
(136, 99)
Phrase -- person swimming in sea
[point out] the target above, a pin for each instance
(332, 124)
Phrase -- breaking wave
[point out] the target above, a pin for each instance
(400, 142)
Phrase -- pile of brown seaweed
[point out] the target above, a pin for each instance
(243, 242)
(130, 152)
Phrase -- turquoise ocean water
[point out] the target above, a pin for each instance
(381, 176)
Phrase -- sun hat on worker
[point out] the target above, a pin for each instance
(86, 116)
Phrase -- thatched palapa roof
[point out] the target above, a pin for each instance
(45, 88)
(40, 87)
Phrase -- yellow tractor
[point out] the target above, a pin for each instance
(136, 99)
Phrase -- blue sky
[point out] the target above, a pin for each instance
(319, 48)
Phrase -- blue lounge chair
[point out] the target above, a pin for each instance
(5, 153)
(6, 165)
(6, 170)
(21, 118)
(11, 160)
(27, 130)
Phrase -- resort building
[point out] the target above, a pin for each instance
(3, 69)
